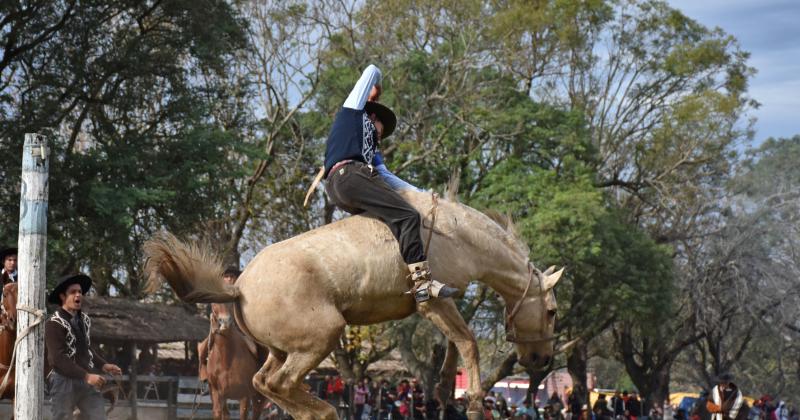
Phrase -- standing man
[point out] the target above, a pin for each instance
(9, 270)
(726, 399)
(354, 184)
(74, 379)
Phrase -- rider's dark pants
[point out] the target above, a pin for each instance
(357, 188)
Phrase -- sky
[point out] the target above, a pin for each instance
(770, 31)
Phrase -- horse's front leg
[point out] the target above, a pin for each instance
(447, 375)
(444, 314)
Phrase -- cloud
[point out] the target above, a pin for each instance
(769, 31)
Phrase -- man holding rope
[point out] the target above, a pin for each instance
(358, 181)
(74, 381)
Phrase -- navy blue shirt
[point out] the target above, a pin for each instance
(353, 136)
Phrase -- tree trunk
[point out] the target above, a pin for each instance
(655, 391)
(506, 368)
(577, 368)
(535, 378)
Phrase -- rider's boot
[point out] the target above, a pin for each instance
(425, 287)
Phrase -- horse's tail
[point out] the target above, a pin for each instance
(193, 271)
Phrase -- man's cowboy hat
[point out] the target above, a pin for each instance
(6, 252)
(384, 114)
(65, 282)
(725, 377)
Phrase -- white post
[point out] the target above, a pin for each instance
(29, 379)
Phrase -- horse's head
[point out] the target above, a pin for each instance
(221, 318)
(10, 303)
(530, 323)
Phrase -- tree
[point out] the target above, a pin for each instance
(664, 99)
(133, 150)
(747, 291)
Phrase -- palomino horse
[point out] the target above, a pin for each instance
(8, 334)
(232, 362)
(297, 296)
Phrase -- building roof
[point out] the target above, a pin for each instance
(391, 365)
(125, 320)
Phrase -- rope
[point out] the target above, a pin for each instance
(118, 389)
(426, 249)
(39, 317)
(195, 405)
(435, 201)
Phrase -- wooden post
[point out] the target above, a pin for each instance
(29, 386)
(172, 408)
(133, 383)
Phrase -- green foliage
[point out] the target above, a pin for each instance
(607, 129)
(614, 270)
(129, 92)
(770, 169)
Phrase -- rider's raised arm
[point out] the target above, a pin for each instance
(358, 96)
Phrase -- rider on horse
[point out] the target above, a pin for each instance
(358, 181)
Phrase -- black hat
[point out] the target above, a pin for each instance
(66, 281)
(232, 271)
(724, 377)
(384, 114)
(6, 252)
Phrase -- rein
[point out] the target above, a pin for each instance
(434, 206)
(511, 331)
(38, 318)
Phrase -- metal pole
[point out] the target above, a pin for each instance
(29, 381)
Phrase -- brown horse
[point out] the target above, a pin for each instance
(232, 362)
(8, 334)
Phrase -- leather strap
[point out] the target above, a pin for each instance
(511, 333)
(435, 204)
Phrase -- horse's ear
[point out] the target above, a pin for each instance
(549, 270)
(551, 279)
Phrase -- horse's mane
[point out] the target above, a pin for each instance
(504, 221)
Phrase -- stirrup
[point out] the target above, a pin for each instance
(421, 291)
(424, 286)
(427, 289)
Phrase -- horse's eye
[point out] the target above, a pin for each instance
(551, 313)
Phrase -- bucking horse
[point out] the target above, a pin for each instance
(296, 296)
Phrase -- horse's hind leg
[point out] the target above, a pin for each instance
(274, 361)
(288, 383)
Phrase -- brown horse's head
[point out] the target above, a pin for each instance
(10, 304)
(222, 321)
(532, 326)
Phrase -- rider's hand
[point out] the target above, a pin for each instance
(96, 381)
(375, 93)
(112, 369)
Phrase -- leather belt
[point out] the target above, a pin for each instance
(338, 165)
